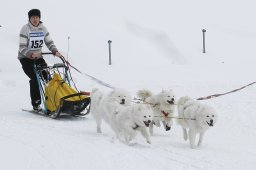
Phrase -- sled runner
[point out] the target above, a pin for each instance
(38, 112)
(57, 94)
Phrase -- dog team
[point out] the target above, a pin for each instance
(126, 117)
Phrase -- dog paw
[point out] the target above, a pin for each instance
(99, 131)
(149, 142)
(185, 138)
(199, 144)
(193, 146)
(185, 134)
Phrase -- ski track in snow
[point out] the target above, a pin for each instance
(160, 40)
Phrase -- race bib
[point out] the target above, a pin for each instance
(36, 40)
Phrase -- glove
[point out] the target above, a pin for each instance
(58, 54)
(35, 55)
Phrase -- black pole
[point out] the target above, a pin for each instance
(203, 30)
(109, 51)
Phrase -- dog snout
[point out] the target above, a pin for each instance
(149, 121)
(211, 121)
(171, 101)
(123, 101)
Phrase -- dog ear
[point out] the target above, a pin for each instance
(200, 111)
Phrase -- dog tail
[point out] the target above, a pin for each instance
(96, 96)
(181, 104)
(183, 100)
(143, 94)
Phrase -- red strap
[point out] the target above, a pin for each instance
(86, 93)
(165, 113)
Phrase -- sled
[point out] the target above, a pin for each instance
(58, 96)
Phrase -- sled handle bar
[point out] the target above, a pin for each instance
(46, 53)
(50, 53)
(58, 65)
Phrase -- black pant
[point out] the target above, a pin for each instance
(28, 68)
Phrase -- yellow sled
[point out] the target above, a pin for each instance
(60, 97)
(57, 95)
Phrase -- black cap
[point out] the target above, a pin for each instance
(34, 12)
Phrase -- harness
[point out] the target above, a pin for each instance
(165, 113)
(136, 127)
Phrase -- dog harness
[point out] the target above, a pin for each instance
(136, 127)
(165, 113)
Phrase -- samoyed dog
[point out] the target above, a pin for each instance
(105, 106)
(163, 105)
(196, 117)
(131, 119)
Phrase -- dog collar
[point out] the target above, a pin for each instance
(136, 127)
(165, 113)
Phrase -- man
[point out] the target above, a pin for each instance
(33, 36)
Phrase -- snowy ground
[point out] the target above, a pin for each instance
(156, 45)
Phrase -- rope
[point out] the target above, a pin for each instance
(177, 117)
(109, 86)
(221, 94)
(139, 101)
(91, 77)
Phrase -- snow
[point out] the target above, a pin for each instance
(155, 45)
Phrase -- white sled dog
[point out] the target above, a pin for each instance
(163, 105)
(136, 117)
(105, 106)
(197, 118)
